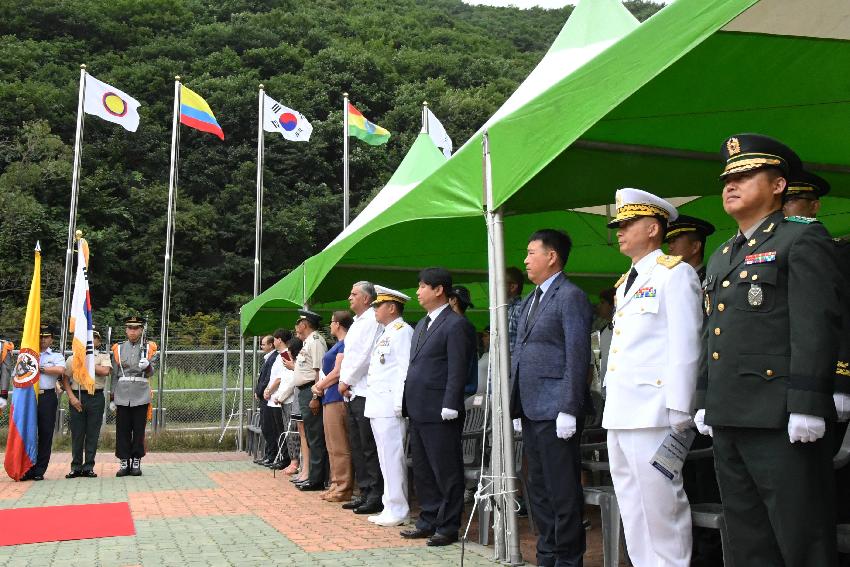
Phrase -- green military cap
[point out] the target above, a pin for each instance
(748, 152)
(684, 224)
(134, 321)
(805, 183)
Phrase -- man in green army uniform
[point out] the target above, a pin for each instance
(7, 365)
(766, 377)
(131, 391)
(686, 237)
(86, 412)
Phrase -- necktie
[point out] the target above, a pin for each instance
(535, 304)
(736, 246)
(630, 280)
(424, 331)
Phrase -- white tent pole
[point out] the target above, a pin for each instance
(344, 160)
(504, 472)
(425, 117)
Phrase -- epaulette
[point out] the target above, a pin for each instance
(398, 325)
(621, 280)
(801, 220)
(668, 261)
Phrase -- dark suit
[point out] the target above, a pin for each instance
(549, 365)
(439, 366)
(770, 335)
(268, 424)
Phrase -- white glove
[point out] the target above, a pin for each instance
(699, 420)
(565, 425)
(805, 428)
(3, 403)
(448, 414)
(517, 425)
(842, 405)
(144, 363)
(112, 407)
(679, 420)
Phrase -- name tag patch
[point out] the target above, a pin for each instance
(645, 292)
(760, 258)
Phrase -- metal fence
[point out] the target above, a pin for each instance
(200, 390)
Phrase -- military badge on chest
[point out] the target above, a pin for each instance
(755, 296)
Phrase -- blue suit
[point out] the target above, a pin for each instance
(549, 368)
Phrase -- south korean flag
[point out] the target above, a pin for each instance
(291, 124)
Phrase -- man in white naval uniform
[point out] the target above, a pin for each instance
(131, 392)
(651, 380)
(385, 389)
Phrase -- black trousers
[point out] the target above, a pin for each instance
(46, 416)
(85, 429)
(364, 452)
(438, 474)
(130, 425)
(778, 497)
(555, 493)
(314, 430)
(270, 427)
(700, 483)
(842, 477)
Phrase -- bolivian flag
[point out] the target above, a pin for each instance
(22, 443)
(367, 131)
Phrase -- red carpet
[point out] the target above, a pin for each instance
(62, 523)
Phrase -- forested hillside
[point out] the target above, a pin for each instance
(389, 55)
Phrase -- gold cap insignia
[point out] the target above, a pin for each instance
(733, 146)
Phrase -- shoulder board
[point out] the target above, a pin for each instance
(801, 220)
(668, 261)
(315, 335)
(398, 325)
(621, 280)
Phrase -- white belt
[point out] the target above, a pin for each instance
(132, 379)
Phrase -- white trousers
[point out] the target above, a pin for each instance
(655, 510)
(389, 438)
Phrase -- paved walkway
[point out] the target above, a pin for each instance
(218, 509)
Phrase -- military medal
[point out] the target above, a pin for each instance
(755, 296)
(382, 358)
(707, 303)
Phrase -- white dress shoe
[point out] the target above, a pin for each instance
(389, 522)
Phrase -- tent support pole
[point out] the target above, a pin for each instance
(503, 462)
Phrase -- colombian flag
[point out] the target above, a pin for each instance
(196, 113)
(22, 443)
(361, 128)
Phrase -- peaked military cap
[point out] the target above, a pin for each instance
(48, 331)
(806, 183)
(747, 152)
(684, 224)
(311, 316)
(635, 203)
(461, 293)
(134, 321)
(386, 294)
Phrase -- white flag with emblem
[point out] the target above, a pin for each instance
(111, 104)
(290, 123)
(438, 133)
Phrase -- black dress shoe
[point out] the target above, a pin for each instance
(416, 533)
(74, 474)
(89, 474)
(370, 507)
(311, 486)
(296, 480)
(354, 504)
(439, 540)
(279, 465)
(38, 477)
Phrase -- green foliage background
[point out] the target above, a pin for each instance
(389, 55)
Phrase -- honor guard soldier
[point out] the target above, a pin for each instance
(767, 371)
(86, 411)
(686, 237)
(651, 380)
(131, 393)
(7, 365)
(385, 389)
(52, 367)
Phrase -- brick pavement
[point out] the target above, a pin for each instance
(216, 509)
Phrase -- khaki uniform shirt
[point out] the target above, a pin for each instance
(310, 359)
(100, 359)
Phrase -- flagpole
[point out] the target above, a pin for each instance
(344, 160)
(258, 229)
(424, 116)
(72, 214)
(169, 252)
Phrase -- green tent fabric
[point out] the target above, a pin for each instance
(649, 108)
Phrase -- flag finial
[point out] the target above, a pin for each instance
(344, 95)
(261, 86)
(78, 234)
(424, 103)
(38, 245)
(83, 66)
(176, 77)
